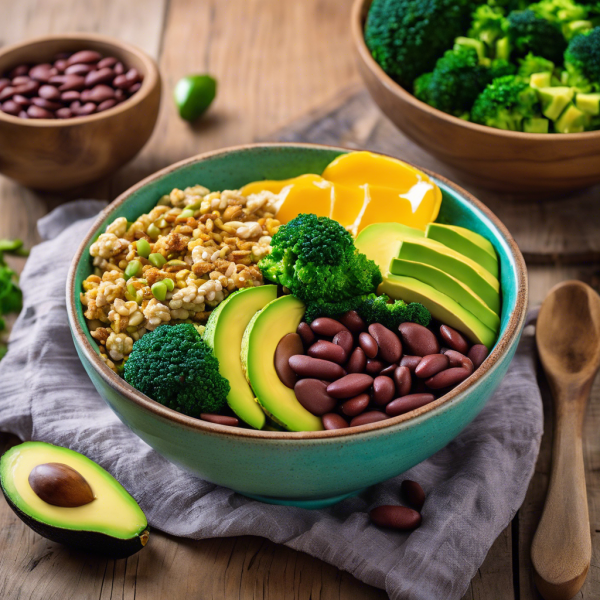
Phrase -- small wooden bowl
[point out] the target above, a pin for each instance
(507, 161)
(49, 154)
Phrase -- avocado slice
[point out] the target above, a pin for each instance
(441, 307)
(503, 48)
(571, 121)
(112, 523)
(430, 252)
(588, 103)
(224, 332)
(278, 318)
(536, 125)
(381, 241)
(541, 80)
(446, 284)
(554, 100)
(467, 242)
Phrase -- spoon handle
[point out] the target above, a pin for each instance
(561, 551)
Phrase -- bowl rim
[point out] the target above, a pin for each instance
(358, 15)
(149, 83)
(504, 343)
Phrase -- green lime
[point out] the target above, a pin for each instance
(194, 94)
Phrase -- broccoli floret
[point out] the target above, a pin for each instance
(373, 309)
(174, 366)
(534, 64)
(529, 33)
(406, 37)
(505, 103)
(456, 81)
(315, 258)
(489, 25)
(500, 68)
(569, 15)
(582, 62)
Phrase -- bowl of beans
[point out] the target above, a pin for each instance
(382, 399)
(74, 108)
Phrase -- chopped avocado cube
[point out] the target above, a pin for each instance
(554, 100)
(478, 45)
(588, 103)
(541, 80)
(571, 121)
(536, 125)
(503, 48)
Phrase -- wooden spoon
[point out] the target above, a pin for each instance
(568, 341)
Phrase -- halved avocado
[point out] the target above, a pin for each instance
(430, 252)
(112, 523)
(467, 242)
(224, 332)
(381, 241)
(265, 330)
(441, 307)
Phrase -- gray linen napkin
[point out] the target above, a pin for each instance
(474, 486)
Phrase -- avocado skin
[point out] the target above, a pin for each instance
(90, 541)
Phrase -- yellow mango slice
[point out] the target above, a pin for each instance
(276, 186)
(348, 202)
(305, 196)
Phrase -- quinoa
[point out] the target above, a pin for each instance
(209, 244)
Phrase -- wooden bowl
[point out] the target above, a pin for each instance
(49, 154)
(507, 161)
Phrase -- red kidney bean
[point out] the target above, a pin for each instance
(72, 82)
(60, 65)
(413, 494)
(357, 362)
(389, 370)
(395, 517)
(7, 92)
(27, 89)
(327, 327)
(312, 394)
(4, 83)
(109, 61)
(79, 69)
(49, 92)
(119, 95)
(43, 103)
(58, 79)
(456, 359)
(289, 345)
(306, 333)
(374, 366)
(106, 105)
(418, 340)
(431, 364)
(42, 72)
(328, 351)
(75, 106)
(307, 366)
(399, 406)
(333, 421)
(84, 56)
(119, 68)
(37, 112)
(368, 344)
(454, 339)
(350, 385)
(70, 96)
(447, 378)
(356, 405)
(383, 390)
(10, 107)
(21, 100)
(132, 75)
(64, 113)
(86, 109)
(134, 88)
(104, 75)
(478, 353)
(21, 80)
(373, 416)
(101, 92)
(23, 115)
(390, 348)
(410, 362)
(120, 81)
(353, 321)
(19, 70)
(403, 381)
(345, 340)
(220, 419)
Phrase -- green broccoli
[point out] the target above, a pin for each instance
(373, 309)
(174, 366)
(11, 298)
(489, 25)
(582, 62)
(534, 64)
(505, 103)
(315, 258)
(529, 33)
(406, 37)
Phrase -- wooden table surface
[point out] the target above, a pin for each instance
(275, 60)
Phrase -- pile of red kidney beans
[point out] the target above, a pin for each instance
(401, 517)
(73, 85)
(350, 374)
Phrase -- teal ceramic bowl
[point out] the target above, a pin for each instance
(309, 469)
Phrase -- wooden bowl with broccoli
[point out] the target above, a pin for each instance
(509, 98)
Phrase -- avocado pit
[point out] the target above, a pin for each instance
(60, 485)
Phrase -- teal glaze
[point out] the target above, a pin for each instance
(320, 468)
